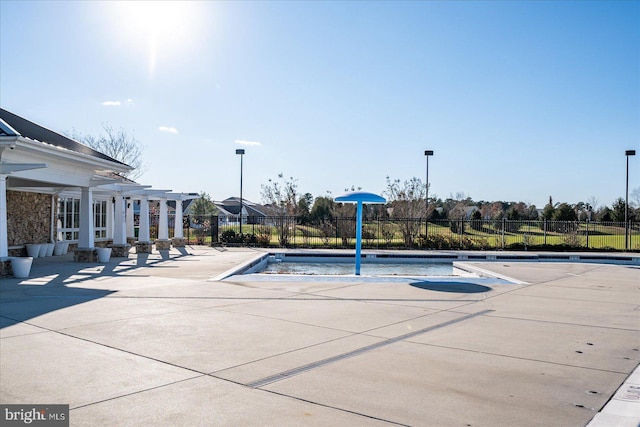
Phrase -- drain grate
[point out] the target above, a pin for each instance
(299, 370)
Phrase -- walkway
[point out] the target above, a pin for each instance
(151, 340)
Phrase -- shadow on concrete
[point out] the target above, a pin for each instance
(32, 304)
(455, 287)
(55, 283)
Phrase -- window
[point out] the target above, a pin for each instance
(69, 218)
(100, 218)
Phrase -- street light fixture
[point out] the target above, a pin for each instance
(240, 151)
(427, 153)
(626, 202)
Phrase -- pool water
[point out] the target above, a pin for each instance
(373, 269)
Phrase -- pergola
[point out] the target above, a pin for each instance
(37, 160)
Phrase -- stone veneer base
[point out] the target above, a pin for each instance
(85, 255)
(163, 244)
(178, 242)
(120, 251)
(5, 268)
(144, 247)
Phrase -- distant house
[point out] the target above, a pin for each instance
(229, 211)
(469, 210)
(186, 205)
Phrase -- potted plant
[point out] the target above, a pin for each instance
(21, 266)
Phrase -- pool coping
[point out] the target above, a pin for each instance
(459, 259)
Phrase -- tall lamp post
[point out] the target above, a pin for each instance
(240, 151)
(427, 153)
(626, 202)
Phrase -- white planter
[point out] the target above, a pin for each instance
(58, 248)
(50, 247)
(33, 250)
(43, 250)
(66, 248)
(103, 254)
(21, 266)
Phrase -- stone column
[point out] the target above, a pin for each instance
(163, 242)
(144, 244)
(86, 235)
(178, 234)
(120, 247)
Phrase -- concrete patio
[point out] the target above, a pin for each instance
(152, 340)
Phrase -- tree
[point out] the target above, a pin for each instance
(549, 210)
(119, 145)
(202, 208)
(406, 200)
(203, 205)
(565, 219)
(605, 215)
(476, 220)
(281, 196)
(619, 209)
(322, 210)
(303, 210)
(635, 197)
(345, 214)
(564, 212)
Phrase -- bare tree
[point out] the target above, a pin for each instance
(281, 198)
(281, 195)
(117, 144)
(635, 197)
(406, 200)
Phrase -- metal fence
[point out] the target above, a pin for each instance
(409, 233)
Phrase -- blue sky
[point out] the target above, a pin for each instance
(519, 100)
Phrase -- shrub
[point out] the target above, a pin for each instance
(263, 235)
(230, 236)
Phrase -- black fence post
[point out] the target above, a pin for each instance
(214, 229)
(587, 233)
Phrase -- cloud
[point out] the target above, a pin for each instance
(248, 143)
(168, 129)
(111, 103)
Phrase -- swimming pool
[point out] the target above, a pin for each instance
(367, 268)
(339, 266)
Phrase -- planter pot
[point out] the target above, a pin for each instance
(58, 248)
(103, 254)
(33, 250)
(50, 247)
(21, 266)
(66, 248)
(43, 250)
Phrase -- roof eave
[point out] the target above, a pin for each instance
(96, 162)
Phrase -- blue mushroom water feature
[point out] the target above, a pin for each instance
(359, 197)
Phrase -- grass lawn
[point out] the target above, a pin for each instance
(389, 235)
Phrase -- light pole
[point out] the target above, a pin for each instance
(626, 202)
(427, 153)
(240, 151)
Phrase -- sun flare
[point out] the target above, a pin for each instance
(164, 27)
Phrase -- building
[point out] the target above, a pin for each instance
(53, 188)
(229, 211)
